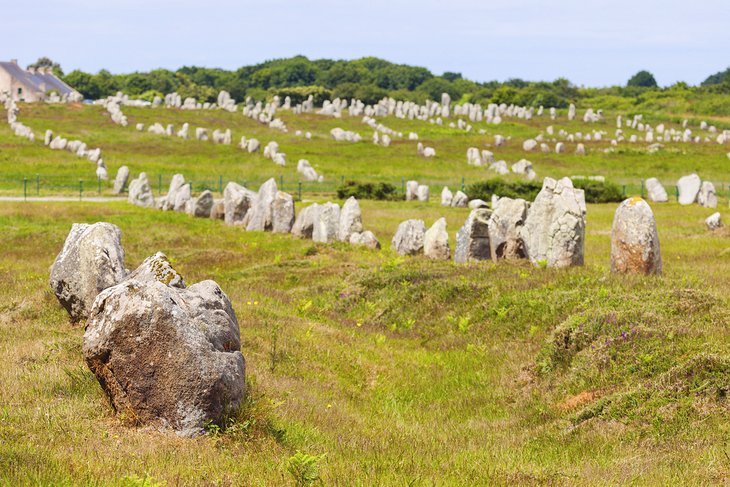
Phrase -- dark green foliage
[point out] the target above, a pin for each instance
(45, 62)
(368, 191)
(643, 79)
(599, 192)
(718, 78)
(511, 189)
(595, 191)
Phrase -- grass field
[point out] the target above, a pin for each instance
(211, 166)
(395, 371)
(373, 369)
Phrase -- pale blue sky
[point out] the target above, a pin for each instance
(591, 42)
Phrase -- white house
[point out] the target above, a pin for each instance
(32, 84)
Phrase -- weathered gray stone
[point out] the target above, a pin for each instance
(656, 191)
(554, 230)
(120, 182)
(326, 223)
(634, 239)
(689, 188)
(92, 259)
(304, 223)
(422, 193)
(261, 213)
(140, 192)
(460, 200)
(472, 239)
(157, 267)
(408, 239)
(707, 196)
(411, 190)
(182, 197)
(366, 238)
(446, 196)
(714, 221)
(350, 220)
(202, 205)
(282, 213)
(507, 218)
(218, 210)
(477, 203)
(436, 241)
(167, 356)
(237, 201)
(176, 184)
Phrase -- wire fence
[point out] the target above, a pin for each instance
(52, 185)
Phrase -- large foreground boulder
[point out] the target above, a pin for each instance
(166, 356)
(634, 239)
(408, 239)
(554, 230)
(472, 239)
(92, 259)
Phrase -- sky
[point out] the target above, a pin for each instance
(590, 42)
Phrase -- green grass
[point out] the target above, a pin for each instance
(370, 369)
(211, 166)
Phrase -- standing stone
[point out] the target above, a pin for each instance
(218, 210)
(120, 182)
(436, 241)
(326, 223)
(202, 205)
(182, 196)
(350, 220)
(529, 145)
(505, 224)
(237, 201)
(168, 202)
(260, 215)
(472, 239)
(714, 221)
(446, 196)
(304, 223)
(140, 192)
(554, 230)
(656, 191)
(634, 239)
(411, 190)
(423, 193)
(92, 259)
(707, 196)
(366, 238)
(460, 200)
(689, 188)
(408, 239)
(282, 213)
(167, 356)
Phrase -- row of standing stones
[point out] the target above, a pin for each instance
(549, 232)
(168, 355)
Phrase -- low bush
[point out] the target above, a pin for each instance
(595, 191)
(368, 191)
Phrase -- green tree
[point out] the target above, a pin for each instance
(643, 79)
(46, 62)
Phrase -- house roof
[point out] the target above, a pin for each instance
(42, 82)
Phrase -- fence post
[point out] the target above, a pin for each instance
(624, 190)
(220, 184)
(642, 188)
(462, 184)
(25, 189)
(300, 191)
(98, 178)
(676, 192)
(342, 180)
(159, 184)
(81, 188)
(37, 185)
(281, 182)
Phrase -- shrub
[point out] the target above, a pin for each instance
(595, 191)
(368, 191)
